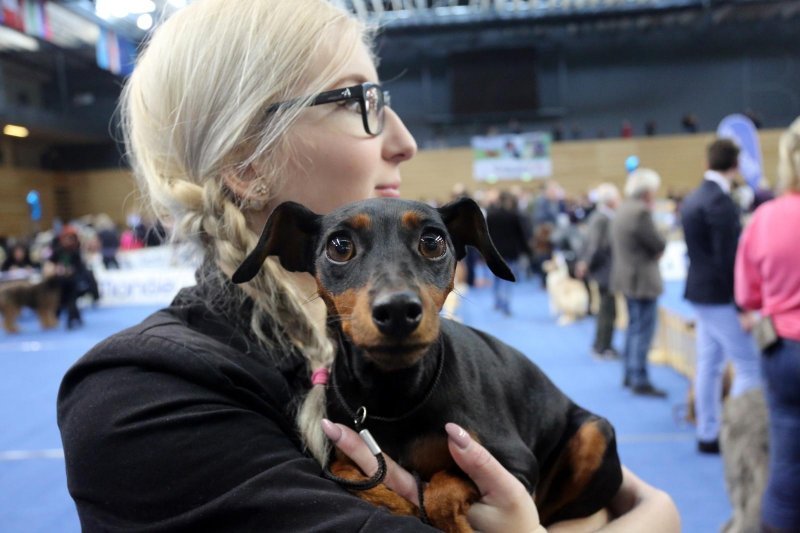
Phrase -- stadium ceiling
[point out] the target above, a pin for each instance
(134, 18)
(398, 14)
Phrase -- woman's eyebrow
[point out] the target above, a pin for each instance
(350, 79)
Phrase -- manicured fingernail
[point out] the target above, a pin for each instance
(459, 436)
(331, 430)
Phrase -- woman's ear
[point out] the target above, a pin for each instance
(247, 186)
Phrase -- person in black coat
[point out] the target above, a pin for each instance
(71, 272)
(507, 230)
(711, 228)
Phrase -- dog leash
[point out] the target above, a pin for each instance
(378, 477)
(359, 419)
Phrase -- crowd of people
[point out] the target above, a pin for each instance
(740, 285)
(67, 255)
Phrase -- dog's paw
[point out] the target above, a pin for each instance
(381, 496)
(447, 500)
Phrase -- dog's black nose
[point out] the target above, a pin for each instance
(397, 313)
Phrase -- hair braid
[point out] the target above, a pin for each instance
(278, 299)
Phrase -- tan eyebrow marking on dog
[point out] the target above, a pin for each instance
(411, 219)
(360, 221)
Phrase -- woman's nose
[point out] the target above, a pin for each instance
(398, 143)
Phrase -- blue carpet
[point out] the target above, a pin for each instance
(33, 494)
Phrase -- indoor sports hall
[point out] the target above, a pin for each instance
(634, 163)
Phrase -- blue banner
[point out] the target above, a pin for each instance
(743, 132)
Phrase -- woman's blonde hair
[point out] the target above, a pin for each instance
(195, 108)
(641, 181)
(789, 159)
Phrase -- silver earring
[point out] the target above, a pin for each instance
(260, 188)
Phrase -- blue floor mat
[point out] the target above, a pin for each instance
(660, 449)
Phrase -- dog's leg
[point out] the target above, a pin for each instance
(584, 476)
(10, 314)
(447, 500)
(47, 318)
(380, 496)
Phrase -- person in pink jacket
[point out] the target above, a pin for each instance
(767, 279)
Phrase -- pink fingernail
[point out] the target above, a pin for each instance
(459, 436)
(331, 430)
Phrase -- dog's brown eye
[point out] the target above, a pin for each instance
(340, 249)
(432, 245)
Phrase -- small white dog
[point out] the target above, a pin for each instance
(569, 299)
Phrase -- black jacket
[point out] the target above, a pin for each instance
(711, 228)
(183, 424)
(507, 231)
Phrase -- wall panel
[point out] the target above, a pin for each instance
(577, 165)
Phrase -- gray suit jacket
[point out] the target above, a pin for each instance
(636, 246)
(597, 250)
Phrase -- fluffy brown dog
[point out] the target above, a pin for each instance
(43, 297)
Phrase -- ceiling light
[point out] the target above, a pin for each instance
(140, 6)
(145, 22)
(178, 3)
(15, 131)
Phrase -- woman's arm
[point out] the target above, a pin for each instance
(747, 276)
(158, 436)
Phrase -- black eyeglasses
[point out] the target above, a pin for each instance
(371, 98)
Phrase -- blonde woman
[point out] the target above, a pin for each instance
(204, 416)
(767, 279)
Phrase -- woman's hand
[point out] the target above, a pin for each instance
(642, 507)
(348, 442)
(504, 506)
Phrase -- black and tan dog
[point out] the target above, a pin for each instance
(384, 268)
(43, 297)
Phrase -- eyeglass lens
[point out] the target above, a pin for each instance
(373, 101)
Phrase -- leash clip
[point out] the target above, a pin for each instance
(361, 417)
(370, 441)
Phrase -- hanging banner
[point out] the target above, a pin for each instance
(35, 19)
(744, 133)
(524, 156)
(12, 14)
(115, 53)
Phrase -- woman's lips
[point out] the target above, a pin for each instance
(388, 191)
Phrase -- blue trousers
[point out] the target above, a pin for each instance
(641, 328)
(780, 507)
(720, 338)
(502, 289)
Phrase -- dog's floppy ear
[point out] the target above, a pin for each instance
(467, 227)
(289, 233)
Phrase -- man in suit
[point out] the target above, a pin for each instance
(711, 228)
(636, 248)
(596, 264)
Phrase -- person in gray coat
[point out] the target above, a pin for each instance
(595, 264)
(636, 247)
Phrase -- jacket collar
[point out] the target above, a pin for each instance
(719, 179)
